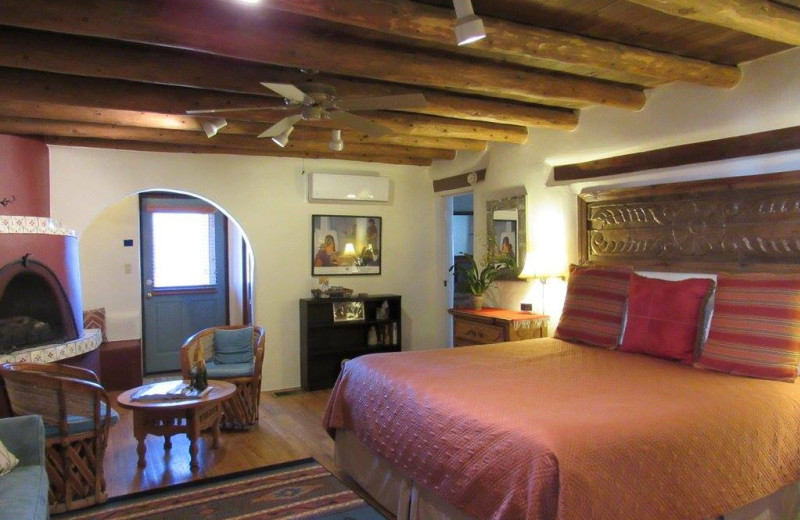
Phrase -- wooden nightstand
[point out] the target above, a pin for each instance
(488, 325)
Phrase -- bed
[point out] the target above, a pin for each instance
(642, 408)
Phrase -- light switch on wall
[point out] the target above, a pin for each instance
(126, 268)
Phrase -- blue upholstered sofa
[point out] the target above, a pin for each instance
(23, 491)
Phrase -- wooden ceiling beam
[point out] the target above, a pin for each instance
(212, 149)
(513, 42)
(33, 50)
(749, 145)
(259, 36)
(20, 85)
(768, 20)
(55, 111)
(18, 125)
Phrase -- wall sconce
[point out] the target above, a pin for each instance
(469, 27)
(213, 125)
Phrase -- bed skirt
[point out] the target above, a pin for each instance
(409, 501)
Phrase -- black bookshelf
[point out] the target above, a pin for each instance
(325, 342)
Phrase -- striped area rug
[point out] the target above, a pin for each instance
(302, 490)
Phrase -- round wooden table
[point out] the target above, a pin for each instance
(170, 417)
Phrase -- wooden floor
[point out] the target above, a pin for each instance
(290, 428)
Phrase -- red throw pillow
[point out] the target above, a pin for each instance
(664, 316)
(755, 329)
(594, 306)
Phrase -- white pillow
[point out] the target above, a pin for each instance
(7, 460)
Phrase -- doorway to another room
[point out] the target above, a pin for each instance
(462, 234)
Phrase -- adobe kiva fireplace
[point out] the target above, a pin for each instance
(41, 310)
(41, 307)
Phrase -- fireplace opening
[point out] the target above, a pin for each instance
(33, 307)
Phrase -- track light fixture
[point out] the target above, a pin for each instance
(469, 27)
(336, 144)
(283, 138)
(212, 125)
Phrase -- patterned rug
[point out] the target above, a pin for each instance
(301, 490)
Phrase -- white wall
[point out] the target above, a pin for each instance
(767, 98)
(267, 197)
(110, 271)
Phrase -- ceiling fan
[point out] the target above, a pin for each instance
(315, 102)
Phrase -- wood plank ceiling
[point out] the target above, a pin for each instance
(123, 73)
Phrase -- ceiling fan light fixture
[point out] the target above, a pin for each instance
(211, 126)
(336, 144)
(283, 138)
(469, 28)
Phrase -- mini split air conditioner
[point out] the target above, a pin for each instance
(334, 186)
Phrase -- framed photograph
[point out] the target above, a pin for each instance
(345, 245)
(348, 311)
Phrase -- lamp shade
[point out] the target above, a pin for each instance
(537, 266)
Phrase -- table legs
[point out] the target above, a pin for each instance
(190, 422)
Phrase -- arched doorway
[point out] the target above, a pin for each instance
(111, 267)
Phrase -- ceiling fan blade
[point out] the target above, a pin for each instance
(243, 109)
(383, 102)
(359, 123)
(289, 91)
(281, 126)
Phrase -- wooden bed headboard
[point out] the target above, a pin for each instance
(735, 224)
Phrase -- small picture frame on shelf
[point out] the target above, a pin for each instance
(348, 311)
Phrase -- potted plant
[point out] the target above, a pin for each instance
(477, 281)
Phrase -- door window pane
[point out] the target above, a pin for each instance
(183, 249)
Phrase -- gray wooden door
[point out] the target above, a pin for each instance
(184, 275)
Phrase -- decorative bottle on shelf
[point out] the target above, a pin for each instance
(394, 333)
(372, 337)
(198, 375)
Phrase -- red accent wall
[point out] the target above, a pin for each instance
(24, 174)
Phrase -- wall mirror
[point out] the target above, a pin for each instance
(505, 231)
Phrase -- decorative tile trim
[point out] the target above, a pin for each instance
(37, 225)
(48, 353)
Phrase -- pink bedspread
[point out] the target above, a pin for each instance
(545, 429)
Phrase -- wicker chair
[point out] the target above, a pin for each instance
(240, 412)
(77, 415)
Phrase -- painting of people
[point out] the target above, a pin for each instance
(345, 245)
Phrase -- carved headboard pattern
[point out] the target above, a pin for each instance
(745, 223)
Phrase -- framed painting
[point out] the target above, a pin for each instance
(345, 245)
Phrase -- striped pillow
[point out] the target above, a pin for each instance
(595, 306)
(755, 329)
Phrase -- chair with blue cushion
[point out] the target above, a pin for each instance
(232, 353)
(77, 415)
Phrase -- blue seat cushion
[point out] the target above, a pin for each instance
(221, 371)
(233, 346)
(23, 493)
(79, 423)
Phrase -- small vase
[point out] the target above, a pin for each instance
(477, 301)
